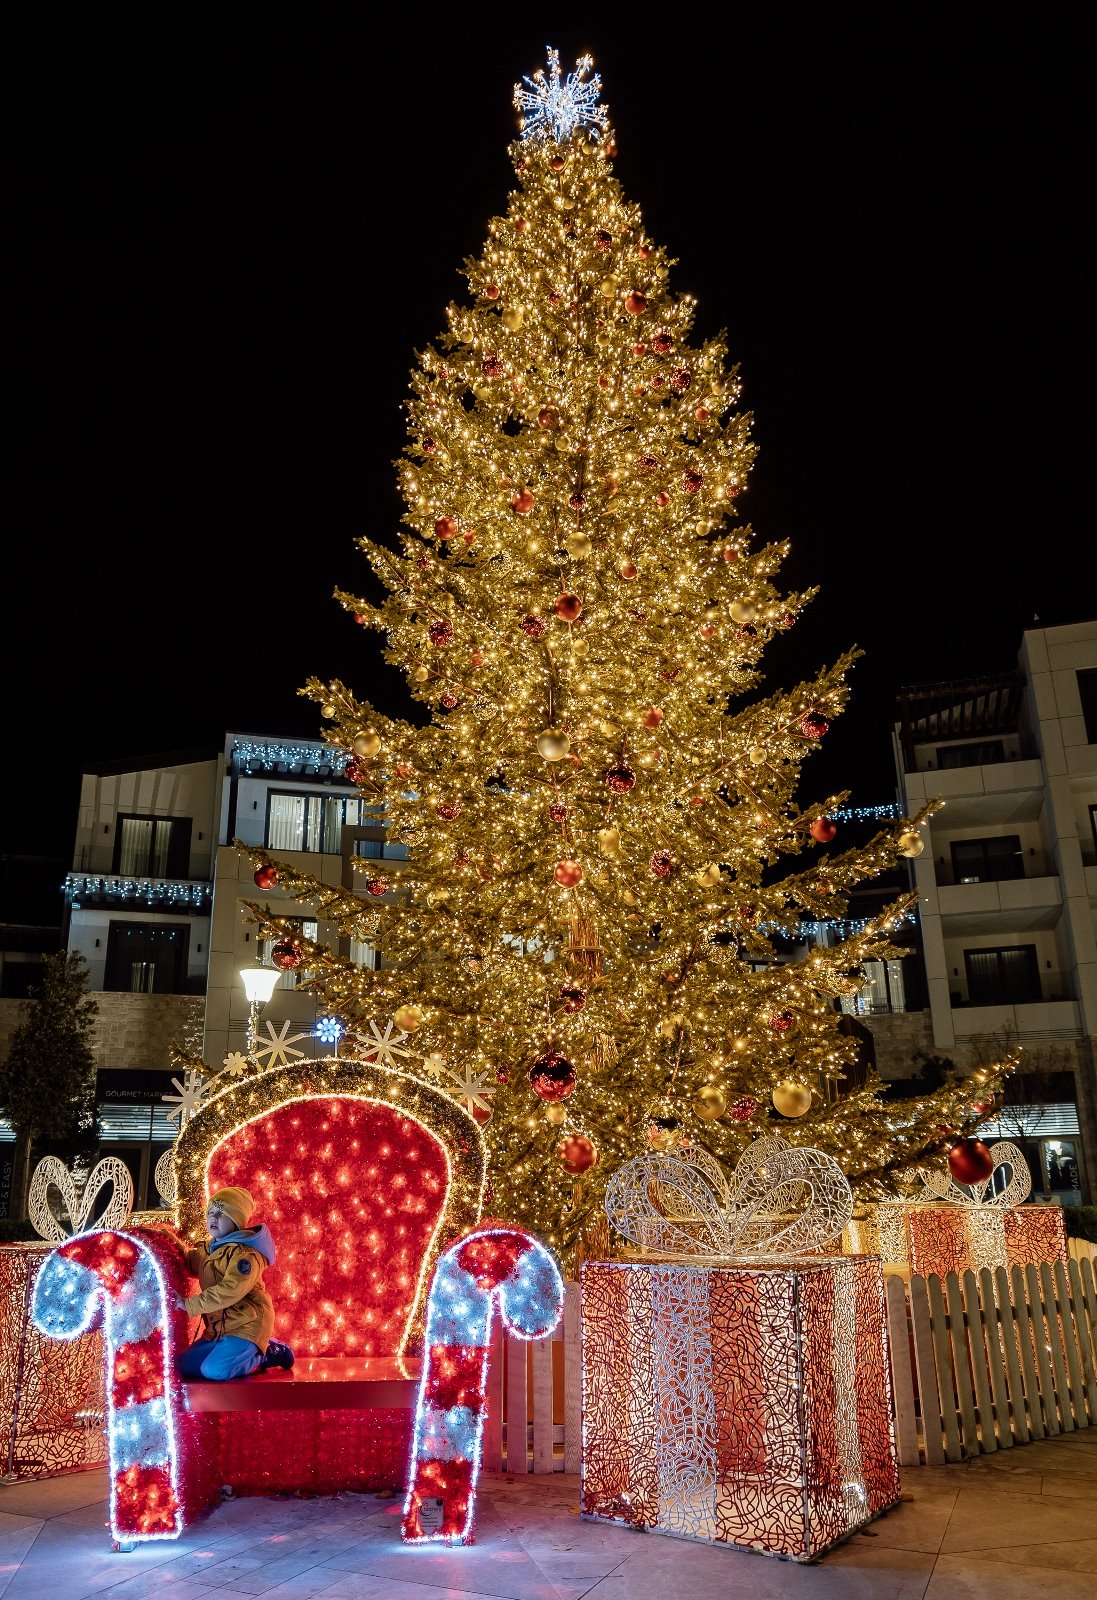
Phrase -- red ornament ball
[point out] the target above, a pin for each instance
(568, 874)
(636, 303)
(823, 830)
(522, 502)
(568, 607)
(662, 863)
(429, 447)
(813, 724)
(681, 378)
(647, 463)
(620, 779)
(782, 1021)
(692, 481)
(533, 627)
(558, 812)
(663, 343)
(491, 367)
(552, 1077)
(352, 772)
(266, 877)
(445, 528)
(970, 1161)
(448, 701)
(577, 502)
(376, 886)
(548, 417)
(572, 998)
(602, 239)
(576, 1153)
(286, 955)
(449, 811)
(440, 632)
(743, 1109)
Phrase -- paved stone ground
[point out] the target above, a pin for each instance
(1018, 1525)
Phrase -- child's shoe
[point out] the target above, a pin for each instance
(278, 1355)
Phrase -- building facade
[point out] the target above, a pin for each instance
(1008, 886)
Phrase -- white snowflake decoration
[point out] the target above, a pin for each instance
(235, 1065)
(276, 1045)
(552, 109)
(192, 1093)
(384, 1048)
(472, 1090)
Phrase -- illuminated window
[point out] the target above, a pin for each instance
(302, 926)
(311, 821)
(152, 847)
(146, 958)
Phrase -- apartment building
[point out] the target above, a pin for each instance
(1008, 886)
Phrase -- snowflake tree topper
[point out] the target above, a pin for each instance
(552, 109)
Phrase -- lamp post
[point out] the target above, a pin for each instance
(259, 985)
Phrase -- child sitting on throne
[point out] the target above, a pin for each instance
(237, 1312)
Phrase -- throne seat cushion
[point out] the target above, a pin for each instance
(313, 1383)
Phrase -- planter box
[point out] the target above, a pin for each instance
(741, 1405)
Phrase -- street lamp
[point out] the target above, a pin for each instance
(259, 985)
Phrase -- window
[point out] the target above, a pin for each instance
(146, 958)
(380, 850)
(883, 990)
(365, 955)
(987, 860)
(152, 847)
(311, 821)
(1087, 692)
(307, 930)
(1002, 977)
(987, 754)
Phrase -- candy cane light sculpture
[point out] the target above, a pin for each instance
(494, 1269)
(115, 1280)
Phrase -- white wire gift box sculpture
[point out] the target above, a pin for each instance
(781, 1200)
(736, 1385)
(962, 1227)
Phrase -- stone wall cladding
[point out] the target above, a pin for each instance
(131, 1030)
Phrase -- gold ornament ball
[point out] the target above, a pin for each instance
(609, 841)
(579, 546)
(708, 876)
(366, 743)
(743, 611)
(709, 1103)
(408, 1018)
(758, 755)
(421, 674)
(327, 710)
(792, 1099)
(911, 843)
(553, 745)
(513, 317)
(555, 1114)
(608, 287)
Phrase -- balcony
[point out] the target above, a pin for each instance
(1049, 1019)
(1010, 905)
(183, 897)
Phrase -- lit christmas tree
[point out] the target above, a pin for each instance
(604, 851)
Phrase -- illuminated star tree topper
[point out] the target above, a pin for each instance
(554, 109)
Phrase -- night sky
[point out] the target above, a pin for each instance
(230, 239)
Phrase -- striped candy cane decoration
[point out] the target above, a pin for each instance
(115, 1279)
(494, 1268)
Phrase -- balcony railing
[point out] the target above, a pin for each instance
(184, 896)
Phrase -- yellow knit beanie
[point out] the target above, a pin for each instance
(235, 1203)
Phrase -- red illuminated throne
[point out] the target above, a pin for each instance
(363, 1175)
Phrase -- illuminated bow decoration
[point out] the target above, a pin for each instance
(943, 1186)
(78, 1203)
(780, 1200)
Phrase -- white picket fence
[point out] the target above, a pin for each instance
(979, 1363)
